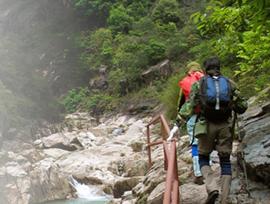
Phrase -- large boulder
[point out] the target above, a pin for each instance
(65, 141)
(47, 182)
(159, 71)
(100, 82)
(23, 182)
(124, 184)
(191, 193)
(153, 178)
(256, 142)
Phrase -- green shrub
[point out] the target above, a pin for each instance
(119, 20)
(74, 98)
(89, 7)
(98, 48)
(170, 94)
(115, 76)
(155, 51)
(166, 11)
(99, 103)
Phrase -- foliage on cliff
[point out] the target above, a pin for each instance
(141, 33)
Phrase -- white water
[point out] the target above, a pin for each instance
(90, 193)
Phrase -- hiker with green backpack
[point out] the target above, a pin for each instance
(216, 97)
(194, 73)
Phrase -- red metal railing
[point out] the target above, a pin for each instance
(171, 194)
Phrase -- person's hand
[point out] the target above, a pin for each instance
(179, 121)
(172, 132)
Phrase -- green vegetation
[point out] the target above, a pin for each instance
(238, 32)
(81, 99)
(126, 37)
(142, 33)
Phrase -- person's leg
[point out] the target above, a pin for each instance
(196, 166)
(194, 152)
(206, 146)
(195, 158)
(224, 148)
(226, 177)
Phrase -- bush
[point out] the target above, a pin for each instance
(119, 20)
(98, 48)
(74, 98)
(99, 103)
(89, 7)
(170, 94)
(166, 11)
(155, 51)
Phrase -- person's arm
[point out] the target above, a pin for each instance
(239, 104)
(187, 110)
(181, 100)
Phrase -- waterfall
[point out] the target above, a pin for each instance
(90, 193)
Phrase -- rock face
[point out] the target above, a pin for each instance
(26, 180)
(256, 142)
(161, 70)
(100, 82)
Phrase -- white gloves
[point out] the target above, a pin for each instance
(172, 132)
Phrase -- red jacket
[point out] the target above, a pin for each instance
(186, 83)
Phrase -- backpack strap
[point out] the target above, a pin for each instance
(202, 90)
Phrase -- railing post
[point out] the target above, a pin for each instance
(149, 147)
(176, 181)
(171, 194)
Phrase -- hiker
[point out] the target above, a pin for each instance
(216, 97)
(194, 74)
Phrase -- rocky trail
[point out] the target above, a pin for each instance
(112, 157)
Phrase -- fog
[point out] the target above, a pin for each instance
(38, 60)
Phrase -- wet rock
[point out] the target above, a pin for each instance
(255, 145)
(47, 182)
(124, 184)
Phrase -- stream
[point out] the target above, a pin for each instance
(86, 195)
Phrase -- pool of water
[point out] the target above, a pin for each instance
(77, 201)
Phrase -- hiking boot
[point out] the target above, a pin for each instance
(212, 197)
(225, 188)
(210, 179)
(198, 180)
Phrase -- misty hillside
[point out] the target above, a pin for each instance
(82, 81)
(38, 59)
(103, 56)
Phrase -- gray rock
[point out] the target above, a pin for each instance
(192, 193)
(124, 184)
(255, 144)
(161, 70)
(118, 131)
(156, 196)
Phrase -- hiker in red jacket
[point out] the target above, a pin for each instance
(194, 74)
